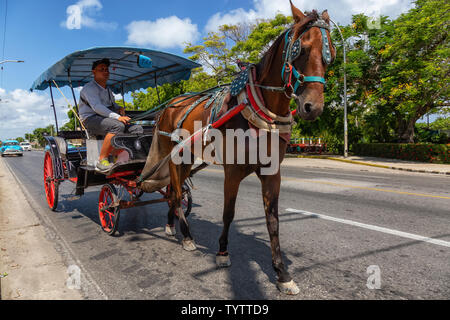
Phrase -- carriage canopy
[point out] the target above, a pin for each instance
(130, 69)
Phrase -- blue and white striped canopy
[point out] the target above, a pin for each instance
(124, 69)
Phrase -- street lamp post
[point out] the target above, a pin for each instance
(345, 93)
(4, 61)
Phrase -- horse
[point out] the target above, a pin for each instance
(272, 83)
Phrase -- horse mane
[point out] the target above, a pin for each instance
(270, 54)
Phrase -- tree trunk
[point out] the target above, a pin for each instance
(405, 131)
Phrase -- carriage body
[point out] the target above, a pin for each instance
(132, 69)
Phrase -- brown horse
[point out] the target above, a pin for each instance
(289, 69)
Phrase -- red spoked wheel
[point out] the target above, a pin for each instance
(108, 213)
(51, 185)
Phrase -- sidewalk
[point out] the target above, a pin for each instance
(411, 166)
(35, 270)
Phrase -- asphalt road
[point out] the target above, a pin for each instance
(350, 232)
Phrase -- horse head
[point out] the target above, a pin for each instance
(308, 50)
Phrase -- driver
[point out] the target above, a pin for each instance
(100, 113)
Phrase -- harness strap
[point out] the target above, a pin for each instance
(196, 103)
(260, 107)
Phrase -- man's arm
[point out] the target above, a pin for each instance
(93, 99)
(117, 108)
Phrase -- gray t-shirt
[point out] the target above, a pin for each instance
(101, 101)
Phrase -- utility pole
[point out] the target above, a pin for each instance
(345, 93)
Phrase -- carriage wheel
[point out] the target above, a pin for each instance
(109, 216)
(51, 185)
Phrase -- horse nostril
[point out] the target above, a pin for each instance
(308, 107)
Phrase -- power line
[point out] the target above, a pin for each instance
(4, 39)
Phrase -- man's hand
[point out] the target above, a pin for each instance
(124, 119)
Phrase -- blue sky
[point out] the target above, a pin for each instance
(43, 32)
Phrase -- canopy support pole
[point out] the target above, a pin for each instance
(74, 99)
(123, 97)
(157, 91)
(53, 106)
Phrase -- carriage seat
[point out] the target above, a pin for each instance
(137, 146)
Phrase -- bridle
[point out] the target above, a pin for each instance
(291, 77)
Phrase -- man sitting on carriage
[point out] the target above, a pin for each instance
(101, 115)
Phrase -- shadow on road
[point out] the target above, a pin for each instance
(249, 250)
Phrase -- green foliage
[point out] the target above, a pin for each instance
(70, 125)
(29, 137)
(39, 134)
(395, 74)
(127, 105)
(425, 133)
(415, 67)
(440, 124)
(154, 97)
(434, 153)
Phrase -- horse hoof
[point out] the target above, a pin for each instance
(189, 245)
(289, 288)
(223, 261)
(170, 230)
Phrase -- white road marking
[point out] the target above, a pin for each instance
(375, 228)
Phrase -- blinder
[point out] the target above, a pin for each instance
(292, 51)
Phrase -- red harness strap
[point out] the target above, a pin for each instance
(255, 105)
(227, 116)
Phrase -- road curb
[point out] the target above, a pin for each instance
(370, 164)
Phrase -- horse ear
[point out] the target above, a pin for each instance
(325, 16)
(296, 13)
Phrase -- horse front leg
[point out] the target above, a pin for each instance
(232, 181)
(177, 177)
(270, 193)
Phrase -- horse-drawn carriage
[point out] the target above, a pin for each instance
(258, 102)
(131, 69)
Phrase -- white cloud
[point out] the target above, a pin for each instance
(78, 16)
(339, 10)
(262, 9)
(22, 111)
(167, 32)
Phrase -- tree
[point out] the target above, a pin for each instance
(70, 125)
(40, 132)
(415, 74)
(29, 137)
(154, 97)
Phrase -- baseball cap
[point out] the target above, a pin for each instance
(102, 61)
